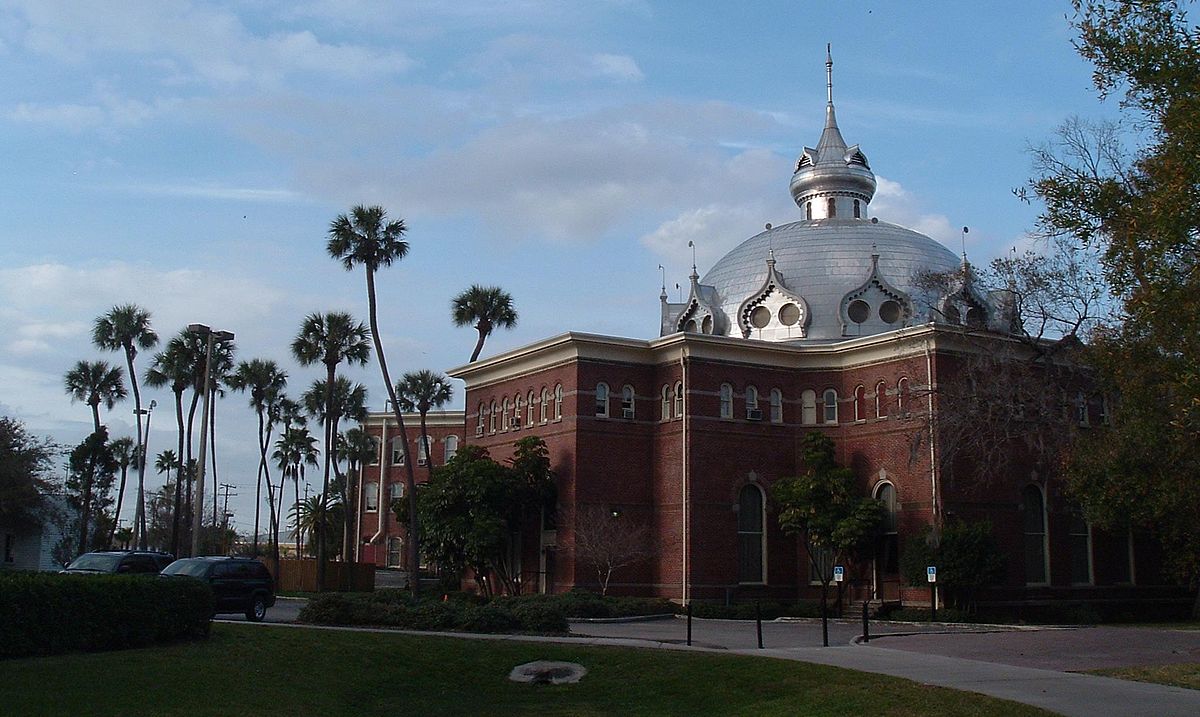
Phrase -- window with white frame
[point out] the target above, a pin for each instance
(377, 444)
(492, 411)
(752, 402)
(451, 446)
(860, 403)
(518, 409)
(396, 491)
(1034, 506)
(1081, 548)
(479, 421)
(423, 451)
(371, 497)
(830, 400)
(751, 536)
(398, 452)
(529, 411)
(888, 552)
(903, 397)
(558, 401)
(395, 551)
(776, 406)
(602, 400)
(808, 407)
(504, 408)
(666, 402)
(627, 405)
(881, 400)
(679, 399)
(545, 405)
(726, 401)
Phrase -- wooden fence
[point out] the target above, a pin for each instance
(301, 576)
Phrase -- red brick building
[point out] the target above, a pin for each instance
(816, 325)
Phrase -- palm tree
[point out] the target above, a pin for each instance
(126, 453)
(175, 366)
(165, 462)
(358, 448)
(127, 327)
(265, 382)
(330, 339)
(420, 391)
(306, 515)
(487, 307)
(367, 238)
(294, 450)
(96, 382)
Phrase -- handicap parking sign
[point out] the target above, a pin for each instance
(931, 574)
(839, 573)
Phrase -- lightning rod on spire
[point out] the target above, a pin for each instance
(829, 71)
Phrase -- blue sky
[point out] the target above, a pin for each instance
(189, 156)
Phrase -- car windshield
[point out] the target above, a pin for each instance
(194, 568)
(95, 562)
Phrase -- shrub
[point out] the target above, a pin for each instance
(458, 612)
(47, 614)
(966, 557)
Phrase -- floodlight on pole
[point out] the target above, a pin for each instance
(198, 500)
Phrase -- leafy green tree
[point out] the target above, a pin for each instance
(125, 451)
(421, 391)
(357, 448)
(95, 382)
(368, 238)
(487, 308)
(127, 328)
(265, 383)
(1141, 212)
(295, 450)
(25, 463)
(966, 557)
(474, 510)
(329, 339)
(306, 515)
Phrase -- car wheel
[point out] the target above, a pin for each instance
(257, 610)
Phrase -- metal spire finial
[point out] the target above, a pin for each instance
(663, 295)
(692, 244)
(964, 243)
(829, 71)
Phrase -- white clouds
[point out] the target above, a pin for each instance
(893, 203)
(618, 67)
(106, 110)
(213, 191)
(522, 59)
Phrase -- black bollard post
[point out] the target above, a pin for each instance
(933, 602)
(689, 618)
(824, 615)
(866, 624)
(758, 621)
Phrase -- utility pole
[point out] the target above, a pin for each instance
(225, 523)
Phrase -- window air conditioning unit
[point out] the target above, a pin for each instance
(627, 413)
(422, 461)
(478, 431)
(754, 414)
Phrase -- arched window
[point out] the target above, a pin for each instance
(881, 400)
(492, 418)
(665, 410)
(776, 406)
(602, 399)
(395, 551)
(808, 407)
(726, 401)
(529, 410)
(830, 399)
(857, 209)
(888, 551)
(375, 454)
(808, 210)
(451, 446)
(518, 408)
(398, 452)
(396, 491)
(751, 536)
(860, 403)
(627, 402)
(831, 205)
(504, 416)
(752, 403)
(902, 397)
(679, 399)
(1081, 548)
(545, 404)
(558, 401)
(479, 422)
(1034, 506)
(371, 497)
(423, 450)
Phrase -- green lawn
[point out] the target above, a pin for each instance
(264, 670)
(1183, 675)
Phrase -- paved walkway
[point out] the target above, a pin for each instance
(1055, 690)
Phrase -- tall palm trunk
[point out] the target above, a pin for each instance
(212, 450)
(297, 476)
(139, 513)
(180, 474)
(117, 513)
(331, 371)
(94, 402)
(410, 481)
(262, 460)
(484, 328)
(191, 421)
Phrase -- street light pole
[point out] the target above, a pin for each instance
(139, 515)
(198, 502)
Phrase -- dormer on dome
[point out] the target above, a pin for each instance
(833, 180)
(874, 306)
(700, 313)
(773, 312)
(962, 304)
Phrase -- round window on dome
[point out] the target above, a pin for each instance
(975, 316)
(858, 311)
(789, 314)
(889, 311)
(952, 315)
(690, 326)
(760, 317)
(706, 325)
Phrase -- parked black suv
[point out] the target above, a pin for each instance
(123, 562)
(238, 584)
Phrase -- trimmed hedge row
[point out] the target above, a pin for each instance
(46, 613)
(394, 608)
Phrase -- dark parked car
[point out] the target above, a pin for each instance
(123, 562)
(238, 584)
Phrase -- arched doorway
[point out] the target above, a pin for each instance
(887, 547)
